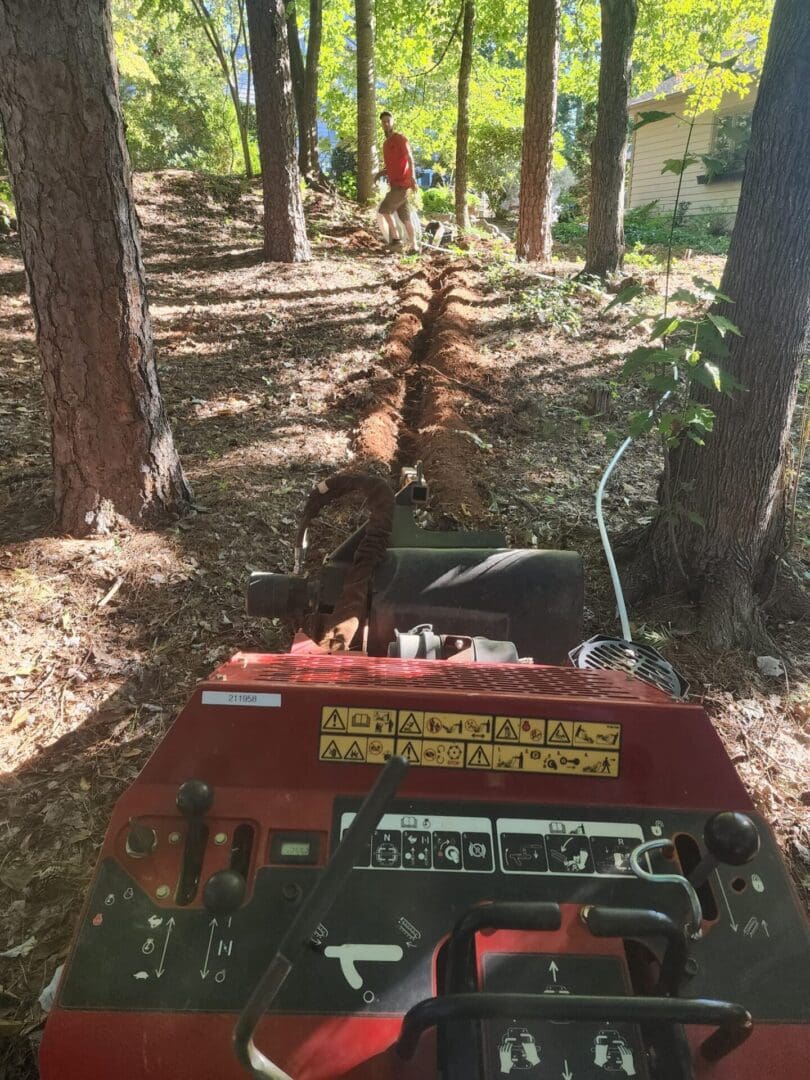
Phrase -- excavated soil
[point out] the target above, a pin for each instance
(419, 394)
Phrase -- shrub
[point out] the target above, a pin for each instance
(439, 200)
(494, 159)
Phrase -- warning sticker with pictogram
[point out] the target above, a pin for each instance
(605, 736)
(479, 756)
(507, 728)
(410, 723)
(333, 719)
(353, 750)
(441, 725)
(560, 733)
(372, 721)
(411, 750)
(532, 732)
(555, 761)
(447, 755)
(369, 734)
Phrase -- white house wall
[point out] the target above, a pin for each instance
(655, 143)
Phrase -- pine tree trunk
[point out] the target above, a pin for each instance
(113, 454)
(463, 122)
(314, 35)
(366, 100)
(605, 249)
(533, 240)
(298, 75)
(736, 484)
(305, 86)
(285, 235)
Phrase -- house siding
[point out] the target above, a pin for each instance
(654, 144)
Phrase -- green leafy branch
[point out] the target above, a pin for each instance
(682, 351)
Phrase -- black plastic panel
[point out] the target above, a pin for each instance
(132, 954)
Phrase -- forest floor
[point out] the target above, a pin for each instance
(274, 377)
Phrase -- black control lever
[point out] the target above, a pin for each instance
(194, 799)
(730, 838)
(313, 910)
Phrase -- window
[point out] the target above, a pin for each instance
(732, 134)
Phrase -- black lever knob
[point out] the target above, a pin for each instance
(141, 840)
(731, 837)
(194, 798)
(224, 892)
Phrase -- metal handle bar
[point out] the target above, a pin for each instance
(313, 910)
(696, 920)
(734, 1022)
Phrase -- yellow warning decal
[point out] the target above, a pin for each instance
(513, 758)
(444, 725)
(411, 750)
(372, 721)
(606, 736)
(355, 751)
(507, 728)
(410, 723)
(334, 719)
(370, 735)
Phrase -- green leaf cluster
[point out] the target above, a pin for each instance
(681, 361)
(172, 93)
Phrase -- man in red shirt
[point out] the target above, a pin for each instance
(399, 167)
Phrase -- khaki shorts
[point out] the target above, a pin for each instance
(396, 202)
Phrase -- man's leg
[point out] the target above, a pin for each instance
(393, 231)
(406, 219)
(388, 209)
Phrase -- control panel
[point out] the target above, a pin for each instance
(653, 881)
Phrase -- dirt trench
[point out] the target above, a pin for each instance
(418, 396)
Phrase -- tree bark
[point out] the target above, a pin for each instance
(305, 86)
(296, 64)
(533, 240)
(113, 453)
(285, 235)
(605, 248)
(736, 484)
(366, 99)
(463, 122)
(314, 36)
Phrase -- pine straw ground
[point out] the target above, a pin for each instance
(269, 373)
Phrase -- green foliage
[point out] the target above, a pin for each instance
(555, 304)
(684, 353)
(343, 170)
(494, 160)
(438, 201)
(672, 37)
(417, 57)
(646, 226)
(175, 110)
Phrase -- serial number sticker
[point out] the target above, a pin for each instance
(526, 744)
(239, 697)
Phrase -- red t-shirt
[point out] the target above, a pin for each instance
(395, 157)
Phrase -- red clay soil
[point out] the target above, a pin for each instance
(378, 433)
(418, 395)
(450, 368)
